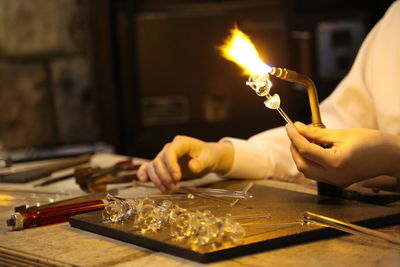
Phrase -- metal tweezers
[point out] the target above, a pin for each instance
(212, 192)
(215, 192)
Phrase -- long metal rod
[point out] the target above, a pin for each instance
(264, 225)
(348, 227)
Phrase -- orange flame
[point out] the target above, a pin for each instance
(239, 49)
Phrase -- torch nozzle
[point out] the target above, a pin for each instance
(285, 74)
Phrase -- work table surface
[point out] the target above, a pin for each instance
(63, 245)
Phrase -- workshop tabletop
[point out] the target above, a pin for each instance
(63, 245)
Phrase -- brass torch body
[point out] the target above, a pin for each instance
(292, 76)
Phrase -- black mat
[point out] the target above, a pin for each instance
(283, 206)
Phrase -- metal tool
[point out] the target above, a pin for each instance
(90, 179)
(55, 180)
(245, 190)
(99, 184)
(201, 192)
(215, 192)
(32, 154)
(37, 172)
(348, 227)
(95, 179)
(32, 191)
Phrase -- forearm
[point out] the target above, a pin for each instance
(392, 150)
(224, 156)
(265, 155)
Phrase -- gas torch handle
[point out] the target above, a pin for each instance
(52, 215)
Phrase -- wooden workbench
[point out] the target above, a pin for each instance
(62, 245)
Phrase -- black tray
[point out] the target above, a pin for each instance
(283, 206)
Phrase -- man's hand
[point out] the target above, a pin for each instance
(353, 155)
(186, 157)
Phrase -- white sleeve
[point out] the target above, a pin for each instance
(369, 96)
(265, 155)
(352, 104)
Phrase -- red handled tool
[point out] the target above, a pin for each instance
(35, 216)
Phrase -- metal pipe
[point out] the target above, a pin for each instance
(292, 76)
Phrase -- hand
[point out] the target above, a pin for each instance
(186, 157)
(353, 155)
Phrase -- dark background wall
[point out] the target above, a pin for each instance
(46, 87)
(136, 73)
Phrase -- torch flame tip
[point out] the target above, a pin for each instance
(239, 49)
